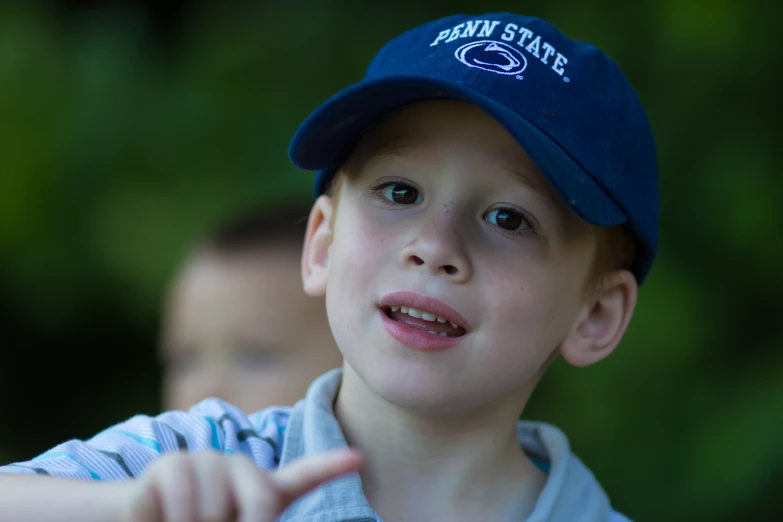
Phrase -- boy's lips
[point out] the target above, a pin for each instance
(436, 309)
(422, 322)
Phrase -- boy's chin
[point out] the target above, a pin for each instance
(425, 393)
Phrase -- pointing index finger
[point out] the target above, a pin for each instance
(303, 475)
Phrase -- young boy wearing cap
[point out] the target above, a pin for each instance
(492, 204)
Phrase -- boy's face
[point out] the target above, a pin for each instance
(241, 329)
(438, 199)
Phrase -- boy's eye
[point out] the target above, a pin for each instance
(508, 219)
(254, 356)
(400, 193)
(181, 362)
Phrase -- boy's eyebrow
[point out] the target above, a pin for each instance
(396, 148)
(392, 143)
(388, 148)
(545, 191)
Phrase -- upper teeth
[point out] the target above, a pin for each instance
(418, 314)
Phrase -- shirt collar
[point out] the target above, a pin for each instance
(571, 493)
(313, 428)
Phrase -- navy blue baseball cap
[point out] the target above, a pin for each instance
(565, 102)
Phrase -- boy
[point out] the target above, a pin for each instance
(232, 318)
(492, 204)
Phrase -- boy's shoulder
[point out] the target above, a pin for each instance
(126, 449)
(572, 492)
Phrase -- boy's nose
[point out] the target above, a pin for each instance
(438, 253)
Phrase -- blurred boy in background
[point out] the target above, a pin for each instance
(236, 323)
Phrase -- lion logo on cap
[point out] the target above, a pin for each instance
(492, 56)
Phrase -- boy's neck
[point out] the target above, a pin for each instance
(447, 467)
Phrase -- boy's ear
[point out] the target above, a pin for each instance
(603, 321)
(315, 255)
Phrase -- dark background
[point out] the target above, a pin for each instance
(128, 128)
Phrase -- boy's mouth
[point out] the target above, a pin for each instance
(425, 321)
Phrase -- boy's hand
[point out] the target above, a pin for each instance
(210, 487)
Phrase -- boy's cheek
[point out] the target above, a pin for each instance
(361, 244)
(526, 303)
(352, 265)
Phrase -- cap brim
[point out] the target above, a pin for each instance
(327, 136)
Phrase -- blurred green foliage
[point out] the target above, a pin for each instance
(118, 149)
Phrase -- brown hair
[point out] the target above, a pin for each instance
(258, 227)
(615, 250)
